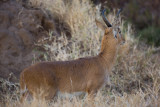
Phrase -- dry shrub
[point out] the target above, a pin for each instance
(135, 79)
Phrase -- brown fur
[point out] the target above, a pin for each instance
(84, 74)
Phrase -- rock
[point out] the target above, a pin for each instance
(26, 37)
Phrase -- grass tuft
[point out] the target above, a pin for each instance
(135, 79)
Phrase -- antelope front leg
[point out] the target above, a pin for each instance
(90, 97)
(92, 94)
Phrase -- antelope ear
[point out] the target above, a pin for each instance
(100, 25)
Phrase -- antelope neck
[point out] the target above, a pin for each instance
(108, 54)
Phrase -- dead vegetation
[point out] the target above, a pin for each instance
(136, 76)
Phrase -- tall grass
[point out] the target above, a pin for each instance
(135, 78)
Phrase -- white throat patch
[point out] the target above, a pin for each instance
(115, 34)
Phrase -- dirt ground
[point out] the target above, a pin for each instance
(20, 28)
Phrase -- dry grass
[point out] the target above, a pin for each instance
(135, 81)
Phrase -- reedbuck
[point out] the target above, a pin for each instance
(87, 74)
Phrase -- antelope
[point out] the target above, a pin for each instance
(86, 74)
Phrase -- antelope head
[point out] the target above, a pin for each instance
(112, 34)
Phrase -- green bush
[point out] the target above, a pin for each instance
(151, 35)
